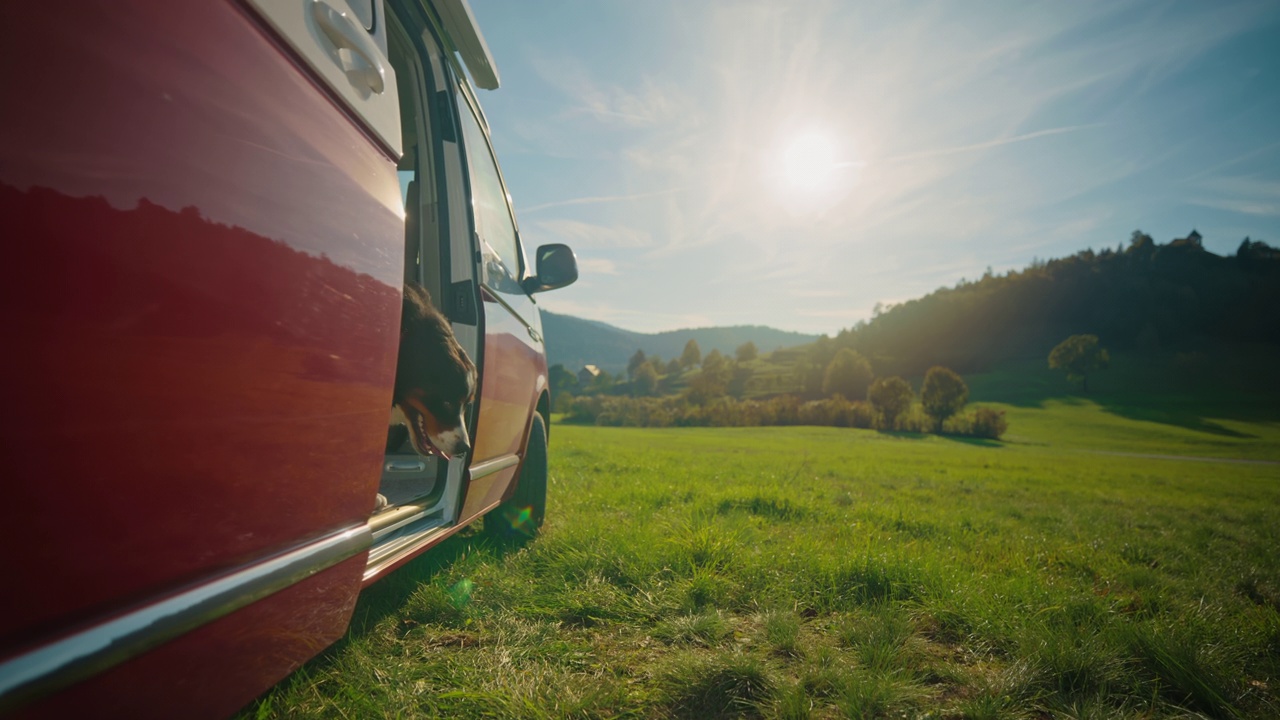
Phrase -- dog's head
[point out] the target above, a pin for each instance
(434, 379)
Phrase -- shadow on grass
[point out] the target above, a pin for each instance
(979, 442)
(1180, 417)
(1147, 391)
(389, 595)
(966, 439)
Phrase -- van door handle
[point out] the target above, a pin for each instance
(358, 56)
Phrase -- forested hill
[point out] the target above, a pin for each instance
(574, 342)
(1148, 296)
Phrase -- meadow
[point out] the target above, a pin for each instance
(1102, 561)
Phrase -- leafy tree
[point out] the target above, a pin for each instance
(943, 394)
(559, 377)
(891, 397)
(713, 361)
(645, 381)
(674, 367)
(739, 377)
(602, 383)
(692, 355)
(1079, 355)
(634, 363)
(562, 402)
(847, 374)
(746, 352)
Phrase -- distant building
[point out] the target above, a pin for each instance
(1190, 241)
(587, 374)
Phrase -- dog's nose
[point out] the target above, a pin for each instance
(462, 445)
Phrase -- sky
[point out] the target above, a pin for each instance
(792, 164)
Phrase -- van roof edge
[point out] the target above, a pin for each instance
(461, 26)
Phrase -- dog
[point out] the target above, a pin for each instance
(435, 380)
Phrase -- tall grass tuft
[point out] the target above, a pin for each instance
(724, 686)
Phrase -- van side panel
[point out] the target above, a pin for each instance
(515, 371)
(200, 340)
(218, 668)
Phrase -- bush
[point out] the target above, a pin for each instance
(891, 397)
(988, 423)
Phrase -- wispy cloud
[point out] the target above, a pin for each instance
(597, 200)
(1246, 195)
(597, 266)
(998, 142)
(584, 234)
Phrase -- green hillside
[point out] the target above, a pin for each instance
(1145, 298)
(574, 342)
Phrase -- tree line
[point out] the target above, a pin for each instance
(697, 390)
(1141, 296)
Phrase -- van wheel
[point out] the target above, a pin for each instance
(519, 518)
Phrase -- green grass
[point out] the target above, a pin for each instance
(821, 572)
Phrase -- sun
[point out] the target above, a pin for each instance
(809, 161)
(811, 171)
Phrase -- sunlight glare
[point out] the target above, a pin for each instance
(809, 161)
(812, 172)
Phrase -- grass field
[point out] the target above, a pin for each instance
(821, 572)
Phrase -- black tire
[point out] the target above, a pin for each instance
(520, 517)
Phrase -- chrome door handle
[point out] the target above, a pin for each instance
(405, 466)
(357, 54)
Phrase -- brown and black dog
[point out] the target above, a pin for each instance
(435, 380)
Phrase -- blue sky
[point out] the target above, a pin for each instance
(794, 163)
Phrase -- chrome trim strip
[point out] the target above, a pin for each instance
(387, 522)
(61, 663)
(490, 467)
(393, 549)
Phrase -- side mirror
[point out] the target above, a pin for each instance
(557, 267)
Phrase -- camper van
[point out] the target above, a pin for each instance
(210, 212)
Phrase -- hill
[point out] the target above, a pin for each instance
(1146, 298)
(574, 342)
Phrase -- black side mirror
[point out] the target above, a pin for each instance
(557, 267)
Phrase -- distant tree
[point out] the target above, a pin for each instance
(656, 362)
(1141, 243)
(562, 402)
(943, 394)
(713, 361)
(673, 366)
(634, 363)
(891, 397)
(739, 377)
(692, 355)
(847, 374)
(645, 381)
(746, 352)
(602, 383)
(559, 377)
(1079, 355)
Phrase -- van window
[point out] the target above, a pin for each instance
(498, 245)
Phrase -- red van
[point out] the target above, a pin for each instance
(210, 210)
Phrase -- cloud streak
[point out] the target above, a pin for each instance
(998, 142)
(597, 200)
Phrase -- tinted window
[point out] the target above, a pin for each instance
(498, 245)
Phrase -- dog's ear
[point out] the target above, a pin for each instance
(417, 301)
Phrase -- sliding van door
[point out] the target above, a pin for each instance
(514, 366)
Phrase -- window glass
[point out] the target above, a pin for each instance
(498, 245)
